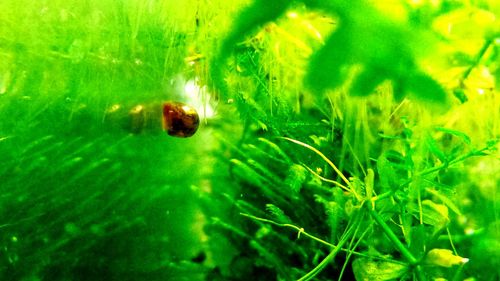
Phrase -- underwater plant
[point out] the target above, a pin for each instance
(365, 39)
(249, 139)
(354, 188)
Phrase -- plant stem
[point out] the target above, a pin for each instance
(478, 59)
(398, 244)
(300, 230)
(339, 173)
(311, 274)
(345, 237)
(304, 233)
(382, 196)
(429, 171)
(440, 167)
(420, 273)
(406, 253)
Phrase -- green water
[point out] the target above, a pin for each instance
(318, 157)
(122, 209)
(86, 194)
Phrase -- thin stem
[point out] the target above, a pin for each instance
(330, 163)
(382, 196)
(420, 273)
(478, 59)
(301, 231)
(368, 229)
(440, 167)
(451, 241)
(390, 234)
(398, 244)
(345, 237)
(311, 274)
(327, 180)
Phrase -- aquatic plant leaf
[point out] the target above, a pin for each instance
(366, 82)
(460, 95)
(434, 149)
(369, 270)
(357, 185)
(268, 258)
(95, 165)
(246, 173)
(444, 258)
(264, 171)
(386, 173)
(418, 240)
(455, 133)
(252, 17)
(275, 148)
(277, 214)
(327, 160)
(446, 200)
(296, 177)
(424, 87)
(327, 66)
(335, 215)
(384, 49)
(432, 213)
(216, 222)
(397, 159)
(369, 179)
(38, 144)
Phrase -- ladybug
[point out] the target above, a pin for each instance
(179, 119)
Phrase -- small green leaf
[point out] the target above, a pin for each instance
(218, 223)
(434, 149)
(445, 200)
(357, 185)
(335, 214)
(246, 173)
(418, 240)
(432, 213)
(444, 258)
(369, 270)
(94, 166)
(370, 176)
(276, 149)
(397, 159)
(277, 214)
(455, 133)
(386, 173)
(264, 171)
(267, 256)
(460, 95)
(296, 177)
(251, 18)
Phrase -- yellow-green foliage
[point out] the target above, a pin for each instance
(367, 140)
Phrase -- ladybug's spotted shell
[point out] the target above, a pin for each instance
(179, 119)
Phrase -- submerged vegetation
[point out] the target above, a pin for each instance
(350, 140)
(380, 187)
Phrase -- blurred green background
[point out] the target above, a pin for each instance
(88, 190)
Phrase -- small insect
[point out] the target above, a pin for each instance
(179, 119)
